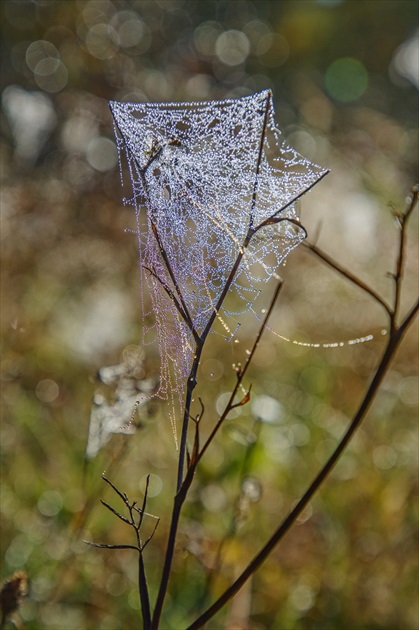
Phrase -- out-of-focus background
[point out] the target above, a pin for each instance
(344, 75)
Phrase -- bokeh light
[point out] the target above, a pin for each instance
(346, 79)
(232, 47)
(406, 60)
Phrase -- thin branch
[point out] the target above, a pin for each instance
(172, 275)
(144, 505)
(177, 506)
(147, 540)
(392, 346)
(259, 160)
(111, 509)
(142, 577)
(103, 546)
(395, 337)
(191, 384)
(182, 488)
(132, 509)
(293, 200)
(144, 596)
(410, 317)
(229, 406)
(403, 218)
(118, 492)
(347, 274)
(172, 296)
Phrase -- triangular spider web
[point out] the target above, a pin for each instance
(211, 182)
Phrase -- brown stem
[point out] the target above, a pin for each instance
(414, 195)
(259, 160)
(395, 337)
(165, 257)
(183, 486)
(347, 274)
(143, 590)
(191, 384)
(177, 506)
(393, 344)
(242, 373)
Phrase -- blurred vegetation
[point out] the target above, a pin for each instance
(345, 77)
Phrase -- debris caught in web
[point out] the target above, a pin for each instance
(115, 411)
(214, 189)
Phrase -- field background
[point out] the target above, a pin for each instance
(344, 79)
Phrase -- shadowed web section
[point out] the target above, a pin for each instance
(212, 185)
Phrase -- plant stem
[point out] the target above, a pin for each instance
(396, 335)
(177, 506)
(189, 391)
(392, 346)
(185, 485)
(229, 405)
(347, 274)
(403, 218)
(144, 598)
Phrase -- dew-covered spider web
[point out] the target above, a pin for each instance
(214, 188)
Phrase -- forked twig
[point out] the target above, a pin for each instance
(396, 335)
(181, 495)
(183, 484)
(241, 374)
(132, 521)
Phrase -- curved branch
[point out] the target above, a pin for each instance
(393, 344)
(347, 274)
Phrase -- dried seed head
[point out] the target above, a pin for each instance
(13, 590)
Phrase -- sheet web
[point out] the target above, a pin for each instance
(211, 182)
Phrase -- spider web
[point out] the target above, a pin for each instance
(211, 183)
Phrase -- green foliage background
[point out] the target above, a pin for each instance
(345, 95)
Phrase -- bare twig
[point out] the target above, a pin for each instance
(139, 547)
(347, 274)
(105, 546)
(241, 373)
(257, 561)
(200, 343)
(402, 218)
(395, 337)
(184, 487)
(185, 316)
(174, 280)
(260, 155)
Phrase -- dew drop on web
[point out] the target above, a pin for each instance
(199, 186)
